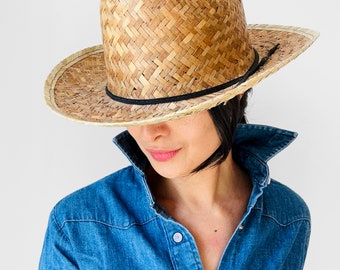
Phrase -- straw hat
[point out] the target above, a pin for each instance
(165, 59)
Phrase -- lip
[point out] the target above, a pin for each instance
(162, 155)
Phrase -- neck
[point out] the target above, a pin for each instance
(205, 190)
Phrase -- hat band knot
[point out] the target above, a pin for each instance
(253, 68)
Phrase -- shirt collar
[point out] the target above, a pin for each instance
(253, 146)
(264, 142)
(131, 150)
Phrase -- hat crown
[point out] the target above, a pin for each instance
(159, 49)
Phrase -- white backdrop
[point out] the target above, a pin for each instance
(45, 157)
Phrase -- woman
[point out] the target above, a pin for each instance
(198, 194)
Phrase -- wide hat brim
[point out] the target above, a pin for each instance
(76, 86)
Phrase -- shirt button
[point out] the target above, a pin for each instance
(177, 237)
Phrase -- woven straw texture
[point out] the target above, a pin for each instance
(154, 51)
(159, 50)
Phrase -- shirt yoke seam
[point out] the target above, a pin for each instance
(105, 223)
(59, 227)
(307, 219)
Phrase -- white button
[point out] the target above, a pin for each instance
(177, 237)
(241, 227)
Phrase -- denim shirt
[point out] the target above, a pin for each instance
(115, 223)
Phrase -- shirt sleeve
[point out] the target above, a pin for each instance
(57, 252)
(297, 255)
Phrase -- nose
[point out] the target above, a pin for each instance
(155, 131)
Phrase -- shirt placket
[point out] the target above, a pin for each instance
(182, 247)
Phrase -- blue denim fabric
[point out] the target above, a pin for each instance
(115, 223)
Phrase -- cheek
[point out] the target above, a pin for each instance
(214, 138)
(203, 144)
(205, 135)
(134, 132)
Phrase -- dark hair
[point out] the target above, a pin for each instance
(226, 117)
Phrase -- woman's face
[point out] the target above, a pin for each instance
(175, 148)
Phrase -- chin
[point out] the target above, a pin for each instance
(169, 173)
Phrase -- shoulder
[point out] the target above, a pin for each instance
(284, 205)
(104, 187)
(101, 202)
